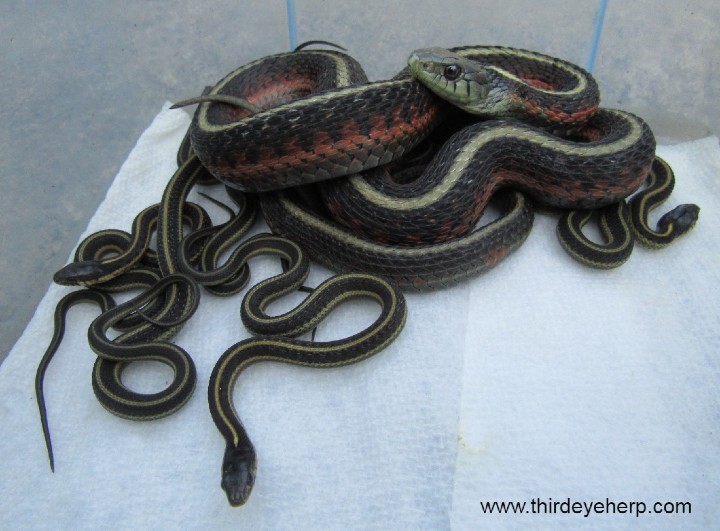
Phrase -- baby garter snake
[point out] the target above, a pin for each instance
(622, 224)
(277, 344)
(147, 321)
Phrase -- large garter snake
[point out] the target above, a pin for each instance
(566, 153)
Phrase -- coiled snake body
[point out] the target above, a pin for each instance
(419, 230)
(566, 153)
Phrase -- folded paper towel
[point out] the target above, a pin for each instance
(541, 379)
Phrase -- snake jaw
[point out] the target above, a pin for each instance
(238, 473)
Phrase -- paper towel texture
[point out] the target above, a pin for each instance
(539, 379)
(595, 385)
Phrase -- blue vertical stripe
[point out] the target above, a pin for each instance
(595, 43)
(292, 23)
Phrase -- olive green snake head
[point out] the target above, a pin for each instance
(238, 473)
(473, 87)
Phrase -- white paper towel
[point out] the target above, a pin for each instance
(597, 386)
(538, 379)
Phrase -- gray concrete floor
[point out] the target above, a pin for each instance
(81, 81)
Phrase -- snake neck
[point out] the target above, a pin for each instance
(238, 472)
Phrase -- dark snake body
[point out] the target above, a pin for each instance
(333, 132)
(320, 119)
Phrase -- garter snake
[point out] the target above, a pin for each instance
(567, 152)
(91, 267)
(274, 341)
(240, 462)
(147, 321)
(621, 225)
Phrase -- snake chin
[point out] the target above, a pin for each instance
(238, 473)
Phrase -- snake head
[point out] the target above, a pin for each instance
(238, 473)
(680, 219)
(466, 84)
(78, 273)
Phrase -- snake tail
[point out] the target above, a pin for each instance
(105, 302)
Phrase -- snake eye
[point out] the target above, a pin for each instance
(452, 72)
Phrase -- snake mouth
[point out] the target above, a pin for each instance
(416, 64)
(237, 496)
(237, 489)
